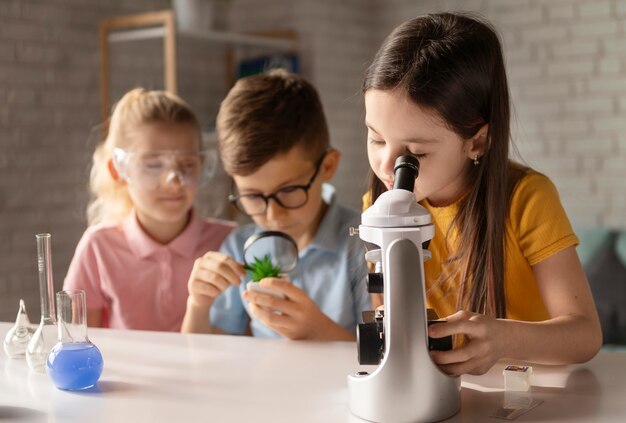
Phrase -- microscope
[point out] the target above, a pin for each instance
(407, 386)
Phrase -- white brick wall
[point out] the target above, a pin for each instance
(567, 70)
(49, 100)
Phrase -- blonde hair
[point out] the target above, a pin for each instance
(110, 200)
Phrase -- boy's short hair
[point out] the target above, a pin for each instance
(267, 115)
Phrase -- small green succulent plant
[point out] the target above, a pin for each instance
(263, 268)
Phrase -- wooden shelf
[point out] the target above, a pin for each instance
(217, 36)
(161, 25)
(136, 34)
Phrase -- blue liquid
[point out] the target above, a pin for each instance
(74, 366)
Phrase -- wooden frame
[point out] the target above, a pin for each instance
(164, 19)
(162, 24)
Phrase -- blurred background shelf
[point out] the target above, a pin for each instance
(162, 25)
(220, 36)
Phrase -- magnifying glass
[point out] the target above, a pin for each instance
(269, 254)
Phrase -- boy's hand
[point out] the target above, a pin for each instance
(211, 275)
(484, 340)
(299, 317)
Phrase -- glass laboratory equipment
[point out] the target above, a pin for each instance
(74, 363)
(45, 335)
(17, 339)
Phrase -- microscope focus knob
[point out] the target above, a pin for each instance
(369, 343)
(439, 344)
(375, 283)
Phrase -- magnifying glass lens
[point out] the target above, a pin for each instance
(278, 247)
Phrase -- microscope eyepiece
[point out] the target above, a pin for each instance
(406, 169)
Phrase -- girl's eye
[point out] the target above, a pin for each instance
(375, 142)
(190, 165)
(152, 164)
(417, 155)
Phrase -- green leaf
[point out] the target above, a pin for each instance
(263, 268)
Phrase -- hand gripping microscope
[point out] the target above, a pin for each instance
(407, 386)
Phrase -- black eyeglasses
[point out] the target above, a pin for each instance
(290, 197)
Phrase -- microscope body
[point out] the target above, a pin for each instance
(407, 386)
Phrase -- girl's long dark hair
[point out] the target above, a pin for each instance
(452, 64)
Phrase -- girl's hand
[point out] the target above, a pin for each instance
(295, 317)
(484, 341)
(212, 274)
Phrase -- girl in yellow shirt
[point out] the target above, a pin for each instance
(504, 269)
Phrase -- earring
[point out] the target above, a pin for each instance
(475, 159)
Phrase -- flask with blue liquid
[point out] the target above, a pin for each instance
(74, 363)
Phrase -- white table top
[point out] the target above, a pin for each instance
(163, 377)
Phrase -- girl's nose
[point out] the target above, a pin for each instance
(173, 176)
(388, 162)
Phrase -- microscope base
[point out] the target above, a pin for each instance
(432, 401)
(407, 386)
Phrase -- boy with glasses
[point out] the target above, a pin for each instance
(274, 142)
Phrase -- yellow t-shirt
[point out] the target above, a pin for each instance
(537, 227)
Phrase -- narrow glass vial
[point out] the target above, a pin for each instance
(46, 334)
(74, 363)
(17, 339)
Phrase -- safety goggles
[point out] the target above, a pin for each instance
(152, 169)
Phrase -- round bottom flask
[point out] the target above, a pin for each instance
(74, 363)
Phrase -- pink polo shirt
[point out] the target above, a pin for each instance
(137, 282)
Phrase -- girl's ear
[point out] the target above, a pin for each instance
(113, 171)
(479, 143)
(330, 164)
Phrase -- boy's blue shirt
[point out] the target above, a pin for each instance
(331, 270)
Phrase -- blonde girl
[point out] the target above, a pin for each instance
(135, 257)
